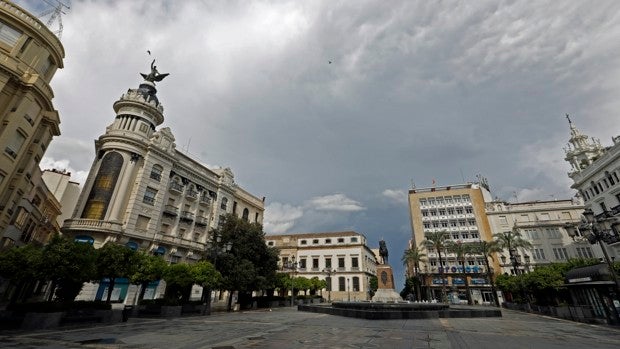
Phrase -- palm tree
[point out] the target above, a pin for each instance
(488, 249)
(437, 241)
(461, 250)
(511, 241)
(414, 256)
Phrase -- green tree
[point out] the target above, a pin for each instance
(282, 282)
(21, 266)
(412, 258)
(461, 250)
(114, 261)
(373, 285)
(148, 268)
(179, 281)
(488, 249)
(512, 241)
(317, 284)
(250, 264)
(67, 264)
(437, 241)
(208, 278)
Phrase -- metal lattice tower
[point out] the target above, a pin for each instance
(57, 9)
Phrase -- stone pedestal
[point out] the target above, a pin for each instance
(385, 290)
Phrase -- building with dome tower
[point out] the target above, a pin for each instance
(595, 171)
(143, 193)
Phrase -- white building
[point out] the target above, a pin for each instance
(345, 254)
(542, 223)
(143, 193)
(596, 175)
(64, 190)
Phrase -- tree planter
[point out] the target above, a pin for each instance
(171, 311)
(40, 321)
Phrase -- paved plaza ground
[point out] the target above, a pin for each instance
(290, 329)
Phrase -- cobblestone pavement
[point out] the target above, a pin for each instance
(290, 329)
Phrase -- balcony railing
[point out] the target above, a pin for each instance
(205, 200)
(156, 176)
(176, 187)
(191, 195)
(186, 215)
(171, 210)
(93, 225)
(202, 220)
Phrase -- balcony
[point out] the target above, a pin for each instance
(84, 225)
(175, 188)
(180, 242)
(191, 195)
(171, 210)
(204, 200)
(187, 216)
(203, 221)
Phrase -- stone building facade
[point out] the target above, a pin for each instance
(30, 54)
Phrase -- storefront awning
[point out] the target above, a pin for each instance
(598, 272)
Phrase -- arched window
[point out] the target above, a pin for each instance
(246, 214)
(224, 204)
(103, 187)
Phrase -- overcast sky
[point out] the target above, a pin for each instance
(332, 109)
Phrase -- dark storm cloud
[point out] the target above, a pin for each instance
(416, 90)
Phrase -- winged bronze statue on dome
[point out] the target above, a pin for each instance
(154, 75)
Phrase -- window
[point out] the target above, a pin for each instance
(328, 241)
(356, 284)
(442, 211)
(603, 206)
(340, 262)
(270, 243)
(355, 262)
(142, 223)
(453, 224)
(315, 241)
(149, 196)
(459, 210)
(341, 284)
(433, 212)
(353, 239)
(469, 210)
(424, 213)
(156, 172)
(224, 204)
(304, 242)
(15, 145)
(340, 240)
(245, 215)
(328, 263)
(503, 220)
(8, 35)
(474, 235)
(315, 263)
(302, 263)
(422, 202)
(444, 224)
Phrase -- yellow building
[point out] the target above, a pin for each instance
(30, 54)
(459, 210)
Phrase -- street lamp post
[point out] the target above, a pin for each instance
(292, 266)
(599, 231)
(349, 289)
(329, 273)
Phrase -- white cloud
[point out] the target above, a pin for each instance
(335, 202)
(280, 218)
(398, 196)
(79, 176)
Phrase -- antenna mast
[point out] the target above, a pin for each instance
(57, 9)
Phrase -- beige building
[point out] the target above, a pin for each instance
(30, 54)
(460, 211)
(343, 259)
(542, 223)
